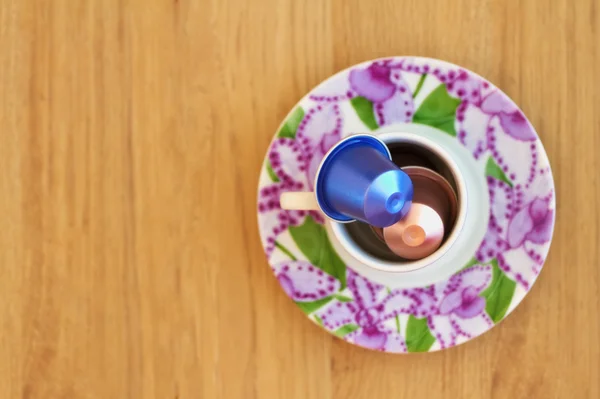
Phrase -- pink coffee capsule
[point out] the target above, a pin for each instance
(417, 235)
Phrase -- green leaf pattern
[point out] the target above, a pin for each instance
(499, 294)
(493, 170)
(345, 330)
(418, 335)
(364, 110)
(291, 124)
(310, 307)
(311, 238)
(438, 110)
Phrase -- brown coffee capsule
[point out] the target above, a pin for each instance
(433, 195)
(431, 189)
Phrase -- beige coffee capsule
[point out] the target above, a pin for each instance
(418, 235)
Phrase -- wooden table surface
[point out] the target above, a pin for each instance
(132, 133)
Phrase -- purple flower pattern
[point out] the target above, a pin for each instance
(521, 219)
(295, 163)
(454, 308)
(520, 227)
(459, 82)
(382, 85)
(487, 123)
(303, 282)
(369, 312)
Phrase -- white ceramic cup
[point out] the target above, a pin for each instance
(468, 229)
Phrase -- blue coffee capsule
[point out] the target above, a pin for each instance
(358, 181)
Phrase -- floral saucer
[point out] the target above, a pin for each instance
(459, 104)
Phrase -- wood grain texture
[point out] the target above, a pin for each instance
(132, 133)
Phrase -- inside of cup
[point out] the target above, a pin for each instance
(405, 154)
